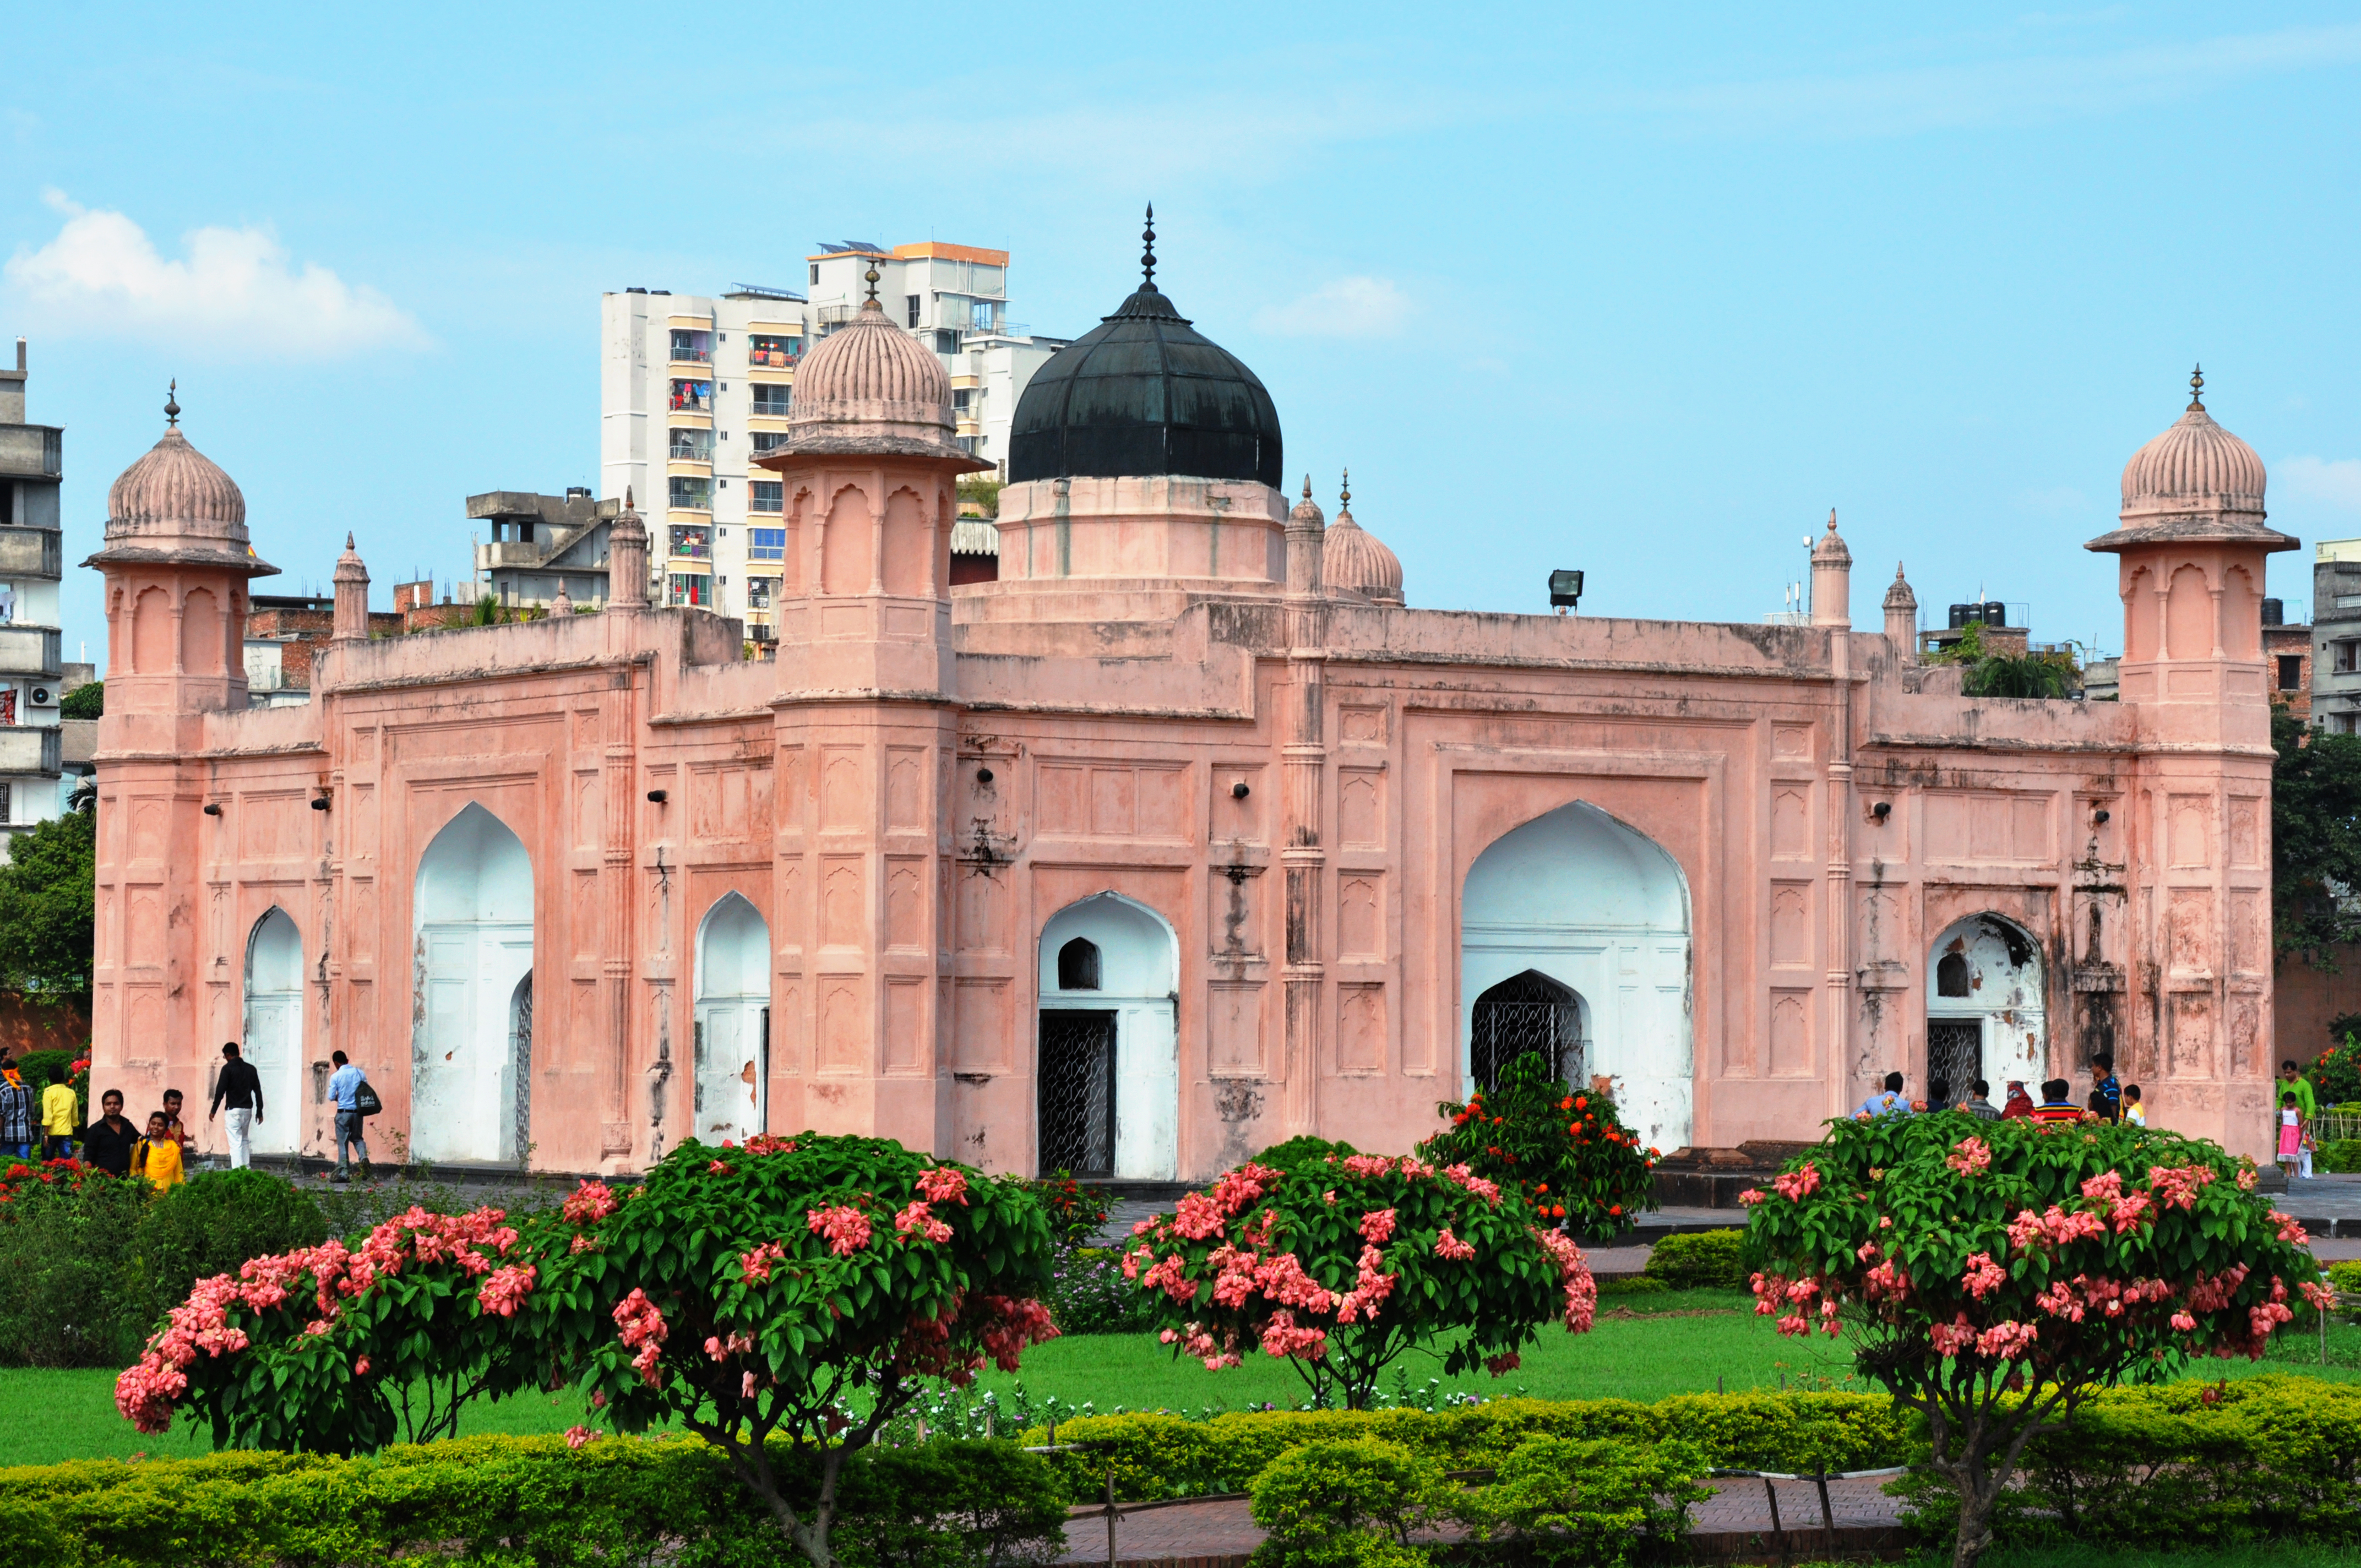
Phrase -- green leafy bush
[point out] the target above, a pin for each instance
(1349, 1503)
(1075, 1211)
(214, 1222)
(2340, 1158)
(1632, 1285)
(87, 700)
(1088, 1295)
(1159, 1457)
(509, 1500)
(1594, 1502)
(1564, 1148)
(2335, 1073)
(1995, 1273)
(1342, 1263)
(2185, 1464)
(1302, 1150)
(69, 1290)
(1700, 1260)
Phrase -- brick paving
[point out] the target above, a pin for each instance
(1221, 1530)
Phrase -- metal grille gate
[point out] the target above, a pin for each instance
(521, 1047)
(1527, 1013)
(1955, 1052)
(1077, 1077)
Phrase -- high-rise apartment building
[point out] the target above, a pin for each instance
(693, 386)
(31, 466)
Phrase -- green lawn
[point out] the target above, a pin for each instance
(1644, 1347)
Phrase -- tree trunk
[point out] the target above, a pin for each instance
(1977, 1501)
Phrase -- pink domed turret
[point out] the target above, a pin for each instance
(1356, 561)
(2195, 464)
(870, 388)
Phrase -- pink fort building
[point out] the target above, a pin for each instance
(1183, 836)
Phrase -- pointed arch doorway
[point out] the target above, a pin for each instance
(473, 913)
(1106, 1065)
(733, 1021)
(273, 1040)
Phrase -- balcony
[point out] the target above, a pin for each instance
(29, 553)
(684, 356)
(772, 358)
(32, 451)
(836, 315)
(29, 651)
(689, 453)
(30, 748)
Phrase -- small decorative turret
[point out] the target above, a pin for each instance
(627, 559)
(1902, 617)
(352, 582)
(1305, 525)
(1832, 578)
(1355, 561)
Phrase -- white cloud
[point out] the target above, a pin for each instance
(1342, 307)
(234, 290)
(2334, 482)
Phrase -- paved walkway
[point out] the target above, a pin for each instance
(1220, 1532)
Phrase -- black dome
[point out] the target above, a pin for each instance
(1141, 394)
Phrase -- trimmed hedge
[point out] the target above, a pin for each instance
(1700, 1260)
(614, 1503)
(1172, 1456)
(2185, 1464)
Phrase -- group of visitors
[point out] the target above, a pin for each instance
(2298, 1109)
(114, 1144)
(2109, 1100)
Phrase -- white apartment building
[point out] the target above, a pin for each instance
(31, 468)
(693, 386)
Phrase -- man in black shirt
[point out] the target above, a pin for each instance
(108, 1142)
(241, 1087)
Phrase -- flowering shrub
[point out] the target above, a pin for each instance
(71, 1291)
(2336, 1075)
(339, 1349)
(804, 1288)
(1341, 1264)
(1564, 1148)
(1995, 1273)
(1075, 1211)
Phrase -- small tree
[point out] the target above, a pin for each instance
(800, 1289)
(807, 1288)
(1995, 1273)
(1341, 1263)
(48, 909)
(1564, 1148)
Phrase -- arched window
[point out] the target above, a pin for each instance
(1078, 965)
(1529, 1012)
(1951, 975)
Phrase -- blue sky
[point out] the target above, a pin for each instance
(1641, 290)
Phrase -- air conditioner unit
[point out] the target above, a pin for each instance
(42, 696)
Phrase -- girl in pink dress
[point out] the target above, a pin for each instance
(2291, 1130)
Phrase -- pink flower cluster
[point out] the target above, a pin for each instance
(1968, 1155)
(505, 1290)
(1010, 1324)
(2176, 1186)
(943, 1184)
(591, 1201)
(1579, 1289)
(1282, 1337)
(1199, 1341)
(1460, 1176)
(1451, 1247)
(921, 1219)
(755, 1267)
(1800, 1184)
(720, 1349)
(578, 1436)
(1378, 1226)
(846, 1228)
(2030, 1232)
(2290, 1229)
(1983, 1275)
(640, 1325)
(1369, 1289)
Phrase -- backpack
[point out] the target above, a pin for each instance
(365, 1100)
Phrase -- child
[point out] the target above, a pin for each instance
(2135, 1110)
(158, 1157)
(2290, 1132)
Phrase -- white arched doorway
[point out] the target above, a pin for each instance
(733, 1021)
(1575, 924)
(474, 949)
(1107, 1069)
(1984, 1012)
(273, 1042)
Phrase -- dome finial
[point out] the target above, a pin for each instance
(2197, 390)
(871, 276)
(172, 404)
(1832, 520)
(1307, 486)
(1147, 255)
(1345, 493)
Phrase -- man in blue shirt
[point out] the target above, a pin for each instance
(345, 1088)
(1890, 1103)
(2104, 1084)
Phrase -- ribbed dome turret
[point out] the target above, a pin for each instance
(174, 486)
(176, 505)
(2194, 481)
(1358, 561)
(871, 389)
